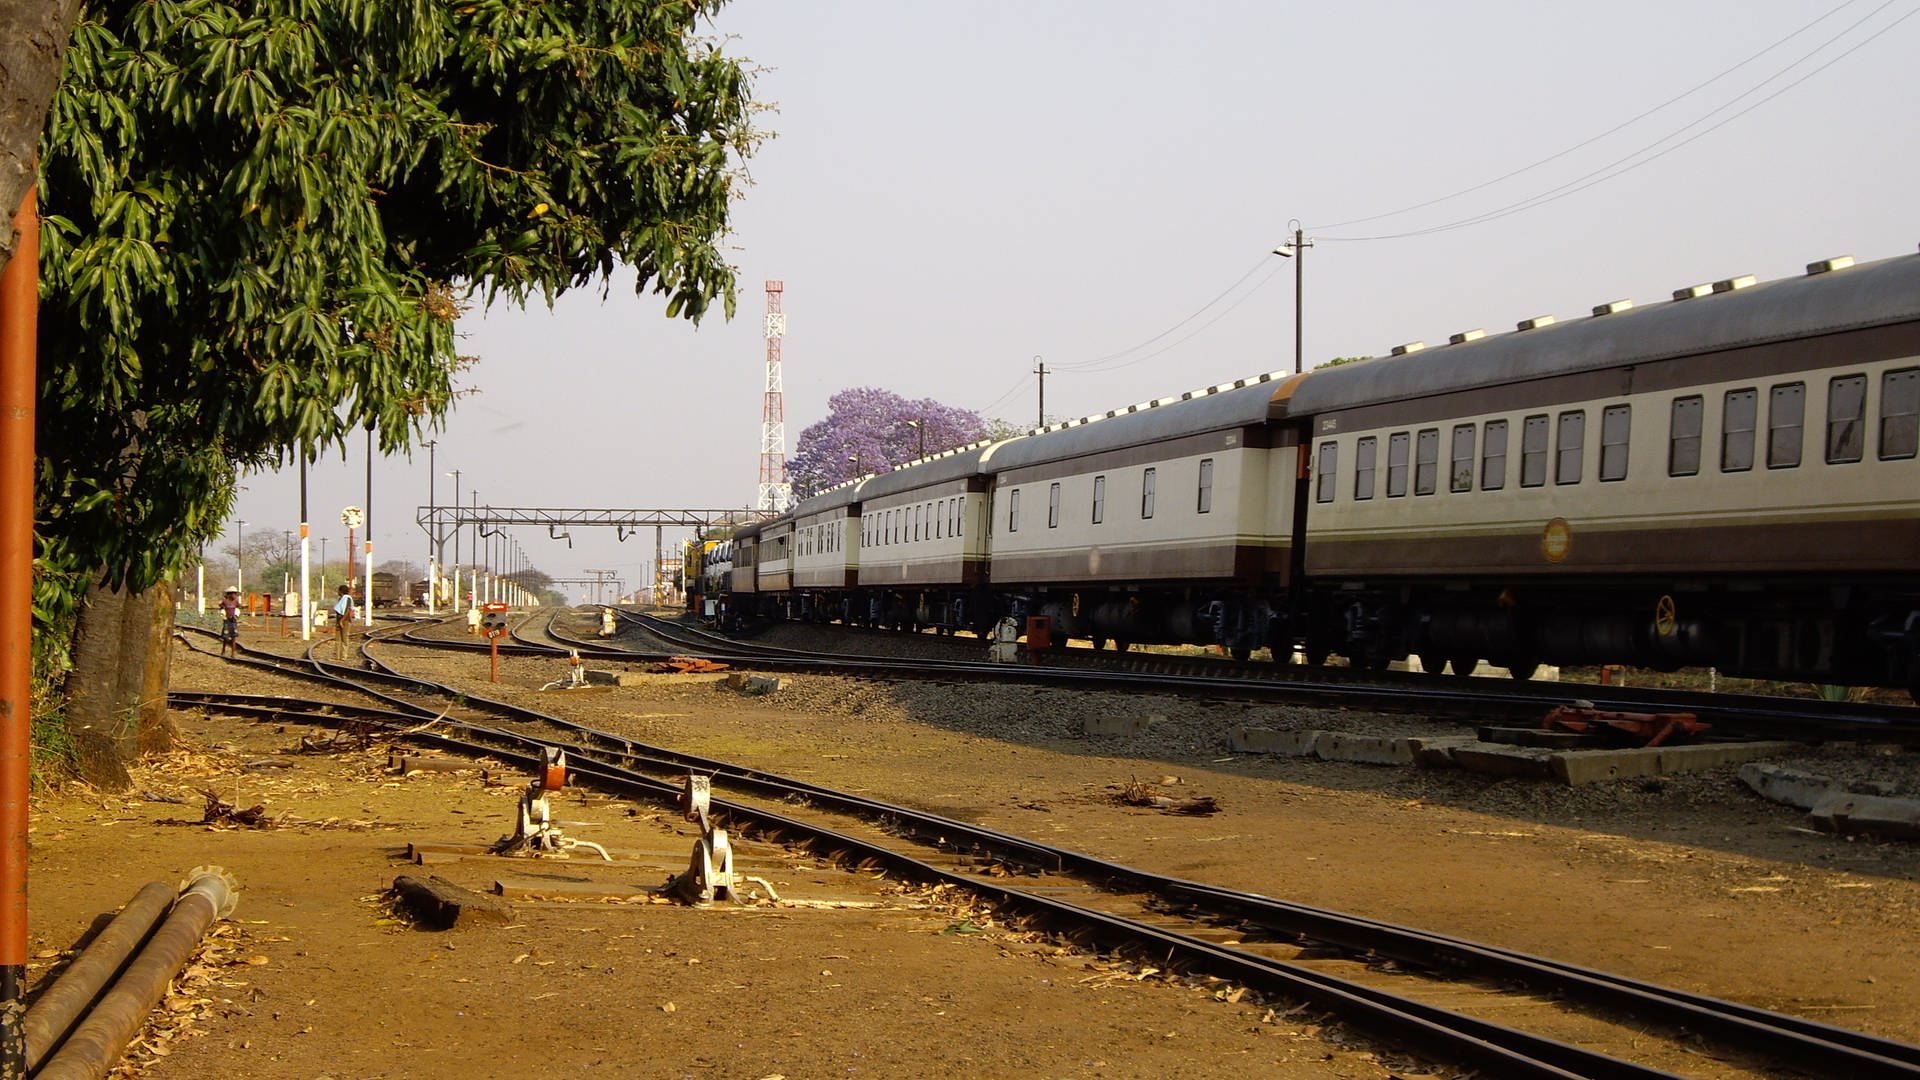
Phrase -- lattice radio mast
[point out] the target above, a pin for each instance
(775, 492)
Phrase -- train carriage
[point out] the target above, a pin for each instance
(1165, 522)
(743, 573)
(1729, 479)
(826, 556)
(924, 542)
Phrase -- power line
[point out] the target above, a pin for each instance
(1623, 165)
(1224, 293)
(1584, 143)
(1087, 368)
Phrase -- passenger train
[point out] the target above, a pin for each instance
(1728, 479)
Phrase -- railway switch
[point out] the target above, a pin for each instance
(695, 799)
(536, 834)
(710, 874)
(1006, 642)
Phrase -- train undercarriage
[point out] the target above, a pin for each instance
(1836, 633)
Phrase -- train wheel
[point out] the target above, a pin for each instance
(1463, 665)
(1240, 653)
(1317, 653)
(1099, 643)
(1431, 663)
(1120, 644)
(1522, 669)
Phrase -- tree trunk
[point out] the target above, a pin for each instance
(33, 40)
(117, 690)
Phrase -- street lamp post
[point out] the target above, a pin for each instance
(240, 559)
(1296, 249)
(322, 591)
(920, 430)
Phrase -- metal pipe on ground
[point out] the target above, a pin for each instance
(60, 1006)
(102, 1037)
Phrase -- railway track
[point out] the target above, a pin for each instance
(1427, 992)
(1485, 700)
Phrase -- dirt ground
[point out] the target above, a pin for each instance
(1691, 882)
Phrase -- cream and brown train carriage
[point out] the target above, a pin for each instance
(1728, 479)
(1168, 522)
(924, 543)
(826, 553)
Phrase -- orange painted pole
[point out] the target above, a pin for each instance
(19, 330)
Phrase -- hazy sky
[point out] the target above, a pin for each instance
(956, 188)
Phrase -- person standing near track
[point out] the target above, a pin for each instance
(230, 622)
(343, 612)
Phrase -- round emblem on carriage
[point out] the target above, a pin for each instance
(1556, 540)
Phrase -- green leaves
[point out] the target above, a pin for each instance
(256, 211)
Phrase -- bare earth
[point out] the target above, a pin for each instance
(1691, 882)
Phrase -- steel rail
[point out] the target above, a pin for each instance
(1787, 1036)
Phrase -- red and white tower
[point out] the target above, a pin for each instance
(775, 492)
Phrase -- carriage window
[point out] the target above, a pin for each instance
(1326, 471)
(1616, 422)
(1426, 462)
(1786, 419)
(1493, 457)
(1397, 464)
(1099, 499)
(1683, 436)
(1533, 451)
(1461, 478)
(1573, 439)
(1899, 414)
(1146, 493)
(1013, 510)
(1846, 419)
(1365, 452)
(1206, 485)
(1737, 417)
(1053, 507)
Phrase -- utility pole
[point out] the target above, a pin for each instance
(1296, 249)
(1040, 369)
(774, 490)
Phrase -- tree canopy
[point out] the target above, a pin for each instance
(868, 430)
(264, 216)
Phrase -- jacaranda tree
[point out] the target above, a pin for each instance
(868, 430)
(264, 215)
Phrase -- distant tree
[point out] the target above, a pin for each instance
(263, 218)
(1338, 360)
(405, 570)
(870, 430)
(998, 430)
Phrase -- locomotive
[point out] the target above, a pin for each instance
(1728, 479)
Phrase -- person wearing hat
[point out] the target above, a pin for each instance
(342, 621)
(230, 622)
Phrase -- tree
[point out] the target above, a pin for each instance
(263, 218)
(33, 38)
(869, 430)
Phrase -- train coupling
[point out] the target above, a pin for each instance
(1637, 729)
